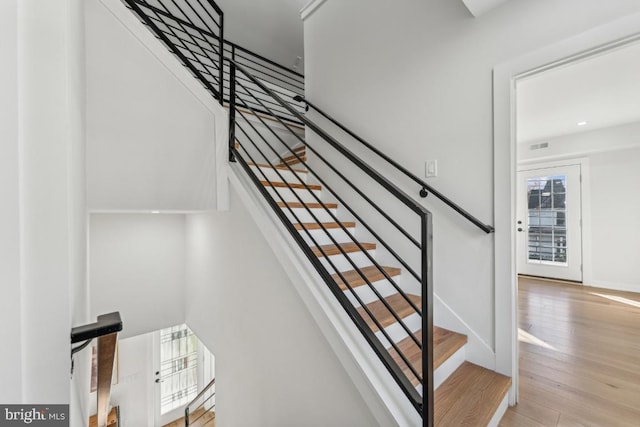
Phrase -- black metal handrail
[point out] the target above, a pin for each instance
(190, 408)
(426, 188)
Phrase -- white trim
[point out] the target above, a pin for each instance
(497, 416)
(480, 7)
(477, 350)
(613, 34)
(386, 401)
(171, 64)
(310, 7)
(614, 286)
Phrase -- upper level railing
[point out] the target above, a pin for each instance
(194, 32)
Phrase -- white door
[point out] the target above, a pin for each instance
(549, 222)
(176, 372)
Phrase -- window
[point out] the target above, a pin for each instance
(178, 367)
(547, 197)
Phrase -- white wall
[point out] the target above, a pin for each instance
(10, 361)
(50, 95)
(422, 89)
(270, 355)
(150, 139)
(78, 286)
(611, 185)
(137, 267)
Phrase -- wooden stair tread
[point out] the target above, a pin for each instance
(469, 397)
(293, 159)
(294, 205)
(445, 344)
(327, 225)
(372, 273)
(397, 303)
(290, 185)
(279, 167)
(112, 418)
(346, 247)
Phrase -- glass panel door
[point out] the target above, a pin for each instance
(549, 222)
(177, 372)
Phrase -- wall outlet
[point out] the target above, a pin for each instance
(431, 168)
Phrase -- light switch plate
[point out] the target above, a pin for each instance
(431, 168)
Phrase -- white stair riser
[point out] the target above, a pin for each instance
(288, 195)
(366, 294)
(304, 215)
(397, 333)
(342, 263)
(272, 175)
(449, 366)
(321, 236)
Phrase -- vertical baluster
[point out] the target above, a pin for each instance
(232, 110)
(427, 320)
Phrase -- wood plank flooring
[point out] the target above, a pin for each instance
(203, 419)
(579, 357)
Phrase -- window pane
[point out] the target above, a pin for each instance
(546, 219)
(178, 367)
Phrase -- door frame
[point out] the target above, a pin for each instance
(609, 36)
(585, 205)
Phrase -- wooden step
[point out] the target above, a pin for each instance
(327, 225)
(469, 397)
(397, 303)
(293, 160)
(279, 167)
(290, 185)
(445, 344)
(294, 205)
(372, 273)
(346, 247)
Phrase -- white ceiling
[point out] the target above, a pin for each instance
(603, 91)
(271, 28)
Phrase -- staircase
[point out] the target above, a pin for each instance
(466, 394)
(368, 240)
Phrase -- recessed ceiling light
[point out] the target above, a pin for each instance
(582, 123)
(155, 211)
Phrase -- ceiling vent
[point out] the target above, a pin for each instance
(539, 146)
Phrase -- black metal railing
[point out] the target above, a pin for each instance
(201, 409)
(263, 147)
(425, 188)
(267, 129)
(194, 31)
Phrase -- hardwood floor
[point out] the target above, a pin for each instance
(202, 419)
(579, 357)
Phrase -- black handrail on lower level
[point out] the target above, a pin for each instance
(426, 188)
(188, 410)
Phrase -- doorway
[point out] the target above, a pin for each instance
(549, 221)
(506, 151)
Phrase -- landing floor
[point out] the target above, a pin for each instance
(579, 357)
